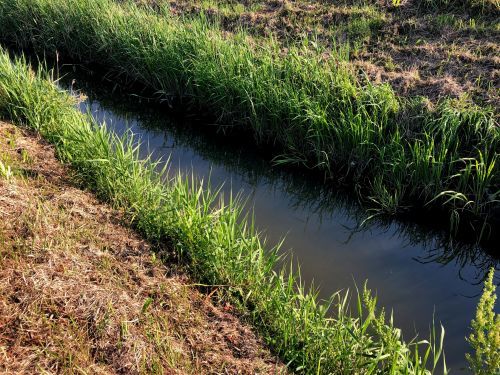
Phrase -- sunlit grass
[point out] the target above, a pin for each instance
(310, 109)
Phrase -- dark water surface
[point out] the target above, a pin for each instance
(415, 272)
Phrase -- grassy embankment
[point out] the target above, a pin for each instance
(399, 154)
(80, 293)
(124, 309)
(220, 249)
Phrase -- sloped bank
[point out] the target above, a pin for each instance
(221, 250)
(81, 293)
(310, 109)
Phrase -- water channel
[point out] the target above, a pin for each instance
(415, 272)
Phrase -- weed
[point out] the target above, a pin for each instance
(5, 171)
(485, 336)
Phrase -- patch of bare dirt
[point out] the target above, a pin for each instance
(81, 293)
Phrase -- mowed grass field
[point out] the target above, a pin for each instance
(80, 292)
(430, 48)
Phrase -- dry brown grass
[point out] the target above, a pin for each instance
(81, 293)
(453, 52)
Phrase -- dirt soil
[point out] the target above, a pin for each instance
(419, 50)
(81, 293)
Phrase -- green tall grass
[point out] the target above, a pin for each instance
(220, 246)
(310, 109)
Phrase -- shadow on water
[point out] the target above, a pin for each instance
(419, 271)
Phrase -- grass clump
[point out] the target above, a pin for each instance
(5, 171)
(220, 247)
(310, 109)
(485, 336)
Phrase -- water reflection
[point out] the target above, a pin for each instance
(302, 192)
(419, 271)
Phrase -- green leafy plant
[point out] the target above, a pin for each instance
(485, 336)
